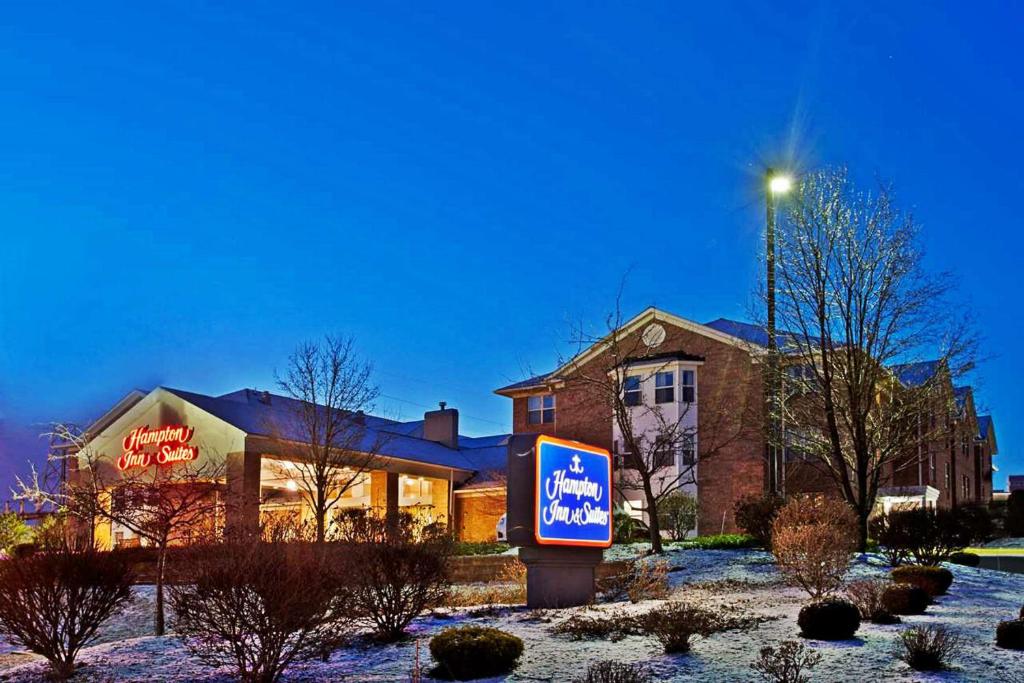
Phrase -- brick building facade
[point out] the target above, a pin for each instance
(728, 401)
(952, 465)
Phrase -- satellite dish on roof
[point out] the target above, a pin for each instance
(653, 335)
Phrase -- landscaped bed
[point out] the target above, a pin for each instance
(743, 582)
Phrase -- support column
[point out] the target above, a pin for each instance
(242, 500)
(391, 502)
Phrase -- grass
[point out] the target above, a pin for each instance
(718, 542)
(996, 551)
(479, 548)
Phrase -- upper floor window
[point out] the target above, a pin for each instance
(688, 450)
(664, 387)
(632, 394)
(541, 409)
(688, 386)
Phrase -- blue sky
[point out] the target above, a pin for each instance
(187, 191)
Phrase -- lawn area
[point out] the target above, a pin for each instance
(996, 551)
(741, 582)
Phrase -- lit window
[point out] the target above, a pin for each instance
(541, 409)
(664, 387)
(631, 388)
(688, 379)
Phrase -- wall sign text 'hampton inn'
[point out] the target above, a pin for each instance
(164, 446)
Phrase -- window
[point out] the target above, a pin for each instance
(688, 380)
(632, 395)
(688, 450)
(663, 455)
(664, 387)
(541, 409)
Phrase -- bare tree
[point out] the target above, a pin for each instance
(163, 506)
(54, 602)
(852, 301)
(333, 390)
(660, 449)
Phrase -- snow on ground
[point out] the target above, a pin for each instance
(745, 579)
(1005, 543)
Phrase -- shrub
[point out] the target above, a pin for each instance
(677, 514)
(812, 539)
(867, 597)
(470, 652)
(977, 520)
(926, 648)
(1022, 612)
(1010, 634)
(829, 620)
(615, 672)
(933, 580)
(13, 531)
(1015, 514)
(722, 542)
(479, 548)
(615, 628)
(787, 664)
(508, 589)
(755, 514)
(400, 567)
(928, 536)
(966, 559)
(626, 528)
(902, 598)
(260, 606)
(641, 581)
(53, 602)
(675, 623)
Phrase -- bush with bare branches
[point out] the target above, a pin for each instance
(402, 567)
(927, 648)
(508, 589)
(260, 606)
(641, 581)
(786, 664)
(868, 597)
(53, 602)
(812, 540)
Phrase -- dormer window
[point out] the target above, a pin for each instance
(664, 387)
(632, 394)
(541, 409)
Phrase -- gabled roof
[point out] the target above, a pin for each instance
(754, 334)
(270, 415)
(916, 374)
(960, 396)
(648, 315)
(984, 425)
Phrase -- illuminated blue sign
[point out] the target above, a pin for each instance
(573, 498)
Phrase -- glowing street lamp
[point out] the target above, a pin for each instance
(775, 184)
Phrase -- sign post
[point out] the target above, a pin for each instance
(560, 515)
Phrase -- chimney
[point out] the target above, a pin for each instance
(442, 426)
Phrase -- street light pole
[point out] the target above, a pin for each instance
(773, 184)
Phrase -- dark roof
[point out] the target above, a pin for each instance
(757, 334)
(960, 396)
(263, 414)
(748, 332)
(916, 374)
(537, 381)
(984, 425)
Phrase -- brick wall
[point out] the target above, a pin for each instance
(476, 515)
(729, 431)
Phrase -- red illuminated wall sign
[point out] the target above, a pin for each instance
(164, 446)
